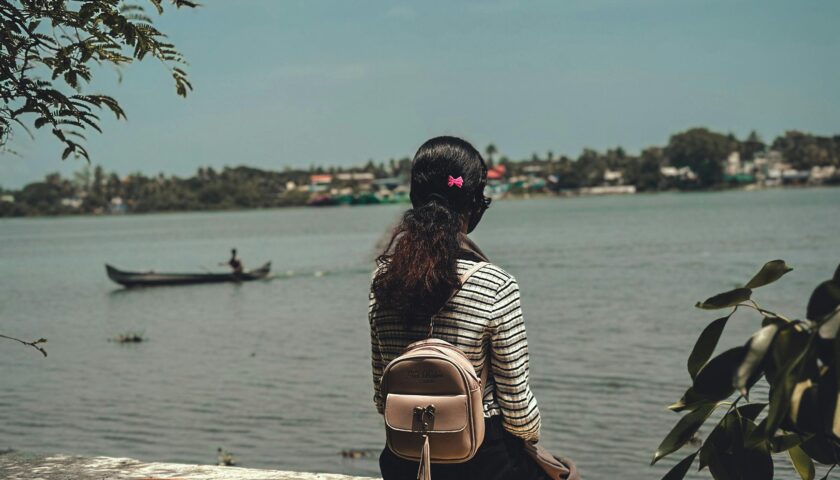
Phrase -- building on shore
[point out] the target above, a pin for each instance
(678, 173)
(608, 190)
(319, 183)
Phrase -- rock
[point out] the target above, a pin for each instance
(17, 466)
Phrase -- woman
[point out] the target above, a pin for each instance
(414, 280)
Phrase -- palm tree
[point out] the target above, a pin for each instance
(490, 151)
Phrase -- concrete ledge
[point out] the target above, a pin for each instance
(16, 466)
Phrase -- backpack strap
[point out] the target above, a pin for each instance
(469, 273)
(463, 280)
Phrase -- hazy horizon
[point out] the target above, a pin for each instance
(296, 83)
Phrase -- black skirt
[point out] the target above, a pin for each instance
(500, 457)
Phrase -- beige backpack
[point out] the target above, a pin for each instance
(433, 402)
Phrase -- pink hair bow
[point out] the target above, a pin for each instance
(458, 182)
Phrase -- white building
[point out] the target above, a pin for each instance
(361, 177)
(733, 164)
(821, 174)
(117, 205)
(682, 173)
(71, 202)
(613, 177)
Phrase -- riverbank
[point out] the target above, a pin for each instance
(18, 466)
(693, 160)
(562, 194)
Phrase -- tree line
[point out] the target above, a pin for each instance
(700, 149)
(93, 190)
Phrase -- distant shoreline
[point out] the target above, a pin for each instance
(516, 197)
(694, 160)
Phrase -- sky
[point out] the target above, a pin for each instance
(295, 83)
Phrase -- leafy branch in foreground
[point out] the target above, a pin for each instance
(48, 49)
(797, 359)
(35, 344)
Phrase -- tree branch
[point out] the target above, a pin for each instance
(31, 344)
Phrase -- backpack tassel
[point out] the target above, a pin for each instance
(424, 472)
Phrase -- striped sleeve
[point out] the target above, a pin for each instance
(509, 364)
(375, 358)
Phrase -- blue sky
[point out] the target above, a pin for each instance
(281, 82)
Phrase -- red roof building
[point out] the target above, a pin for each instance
(496, 173)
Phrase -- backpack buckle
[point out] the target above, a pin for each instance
(424, 418)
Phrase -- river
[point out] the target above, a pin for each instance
(278, 372)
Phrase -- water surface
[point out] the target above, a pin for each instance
(278, 372)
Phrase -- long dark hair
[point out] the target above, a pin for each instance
(420, 262)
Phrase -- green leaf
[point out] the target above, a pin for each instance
(689, 401)
(769, 320)
(805, 406)
(780, 394)
(751, 410)
(835, 424)
(757, 436)
(722, 467)
(682, 431)
(726, 299)
(789, 344)
(769, 273)
(716, 450)
(70, 78)
(820, 448)
(830, 325)
(757, 347)
(705, 345)
(781, 443)
(683, 403)
(756, 463)
(158, 6)
(824, 299)
(714, 380)
(802, 463)
(680, 469)
(727, 454)
(713, 444)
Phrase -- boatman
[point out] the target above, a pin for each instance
(234, 262)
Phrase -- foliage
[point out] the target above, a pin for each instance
(244, 187)
(489, 152)
(804, 150)
(49, 50)
(701, 150)
(208, 189)
(796, 358)
(752, 146)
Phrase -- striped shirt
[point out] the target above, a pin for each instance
(483, 317)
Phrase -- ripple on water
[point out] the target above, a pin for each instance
(279, 373)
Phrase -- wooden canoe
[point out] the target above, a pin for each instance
(148, 279)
